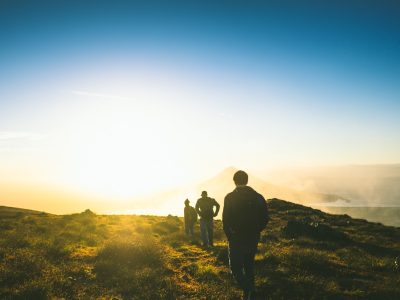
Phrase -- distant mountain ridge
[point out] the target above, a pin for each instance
(171, 201)
(365, 185)
(220, 184)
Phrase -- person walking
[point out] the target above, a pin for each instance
(244, 216)
(205, 209)
(190, 216)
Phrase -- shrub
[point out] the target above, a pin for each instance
(135, 269)
(20, 267)
(119, 257)
(168, 226)
(314, 230)
(57, 249)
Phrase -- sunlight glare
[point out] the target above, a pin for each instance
(123, 152)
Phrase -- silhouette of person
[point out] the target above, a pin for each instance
(244, 216)
(190, 216)
(205, 209)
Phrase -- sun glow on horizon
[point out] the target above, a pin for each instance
(111, 140)
(124, 152)
(130, 136)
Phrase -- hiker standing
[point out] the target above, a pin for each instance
(244, 216)
(190, 216)
(205, 209)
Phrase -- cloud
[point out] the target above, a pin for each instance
(21, 135)
(99, 95)
(20, 141)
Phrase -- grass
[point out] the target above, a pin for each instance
(303, 254)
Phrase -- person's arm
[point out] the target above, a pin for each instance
(198, 208)
(194, 212)
(263, 214)
(217, 208)
(226, 219)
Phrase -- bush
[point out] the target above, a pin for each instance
(171, 224)
(119, 257)
(135, 269)
(57, 249)
(314, 230)
(21, 267)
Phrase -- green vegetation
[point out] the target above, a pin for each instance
(304, 254)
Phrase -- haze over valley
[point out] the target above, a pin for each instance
(370, 192)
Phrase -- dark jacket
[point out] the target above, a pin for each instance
(205, 208)
(245, 214)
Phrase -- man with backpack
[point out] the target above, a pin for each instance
(190, 216)
(205, 209)
(244, 216)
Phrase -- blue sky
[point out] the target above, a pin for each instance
(228, 83)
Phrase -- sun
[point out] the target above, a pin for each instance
(121, 155)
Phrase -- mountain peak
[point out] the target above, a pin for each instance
(229, 171)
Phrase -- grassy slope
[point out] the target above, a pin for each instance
(304, 254)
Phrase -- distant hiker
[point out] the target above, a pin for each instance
(205, 209)
(244, 216)
(190, 216)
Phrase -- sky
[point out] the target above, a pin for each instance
(119, 98)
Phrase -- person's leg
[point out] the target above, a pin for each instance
(248, 263)
(203, 231)
(210, 230)
(191, 229)
(236, 263)
(186, 228)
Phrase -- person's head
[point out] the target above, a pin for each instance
(204, 194)
(187, 202)
(240, 178)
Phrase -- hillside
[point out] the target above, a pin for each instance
(6, 211)
(385, 215)
(304, 254)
